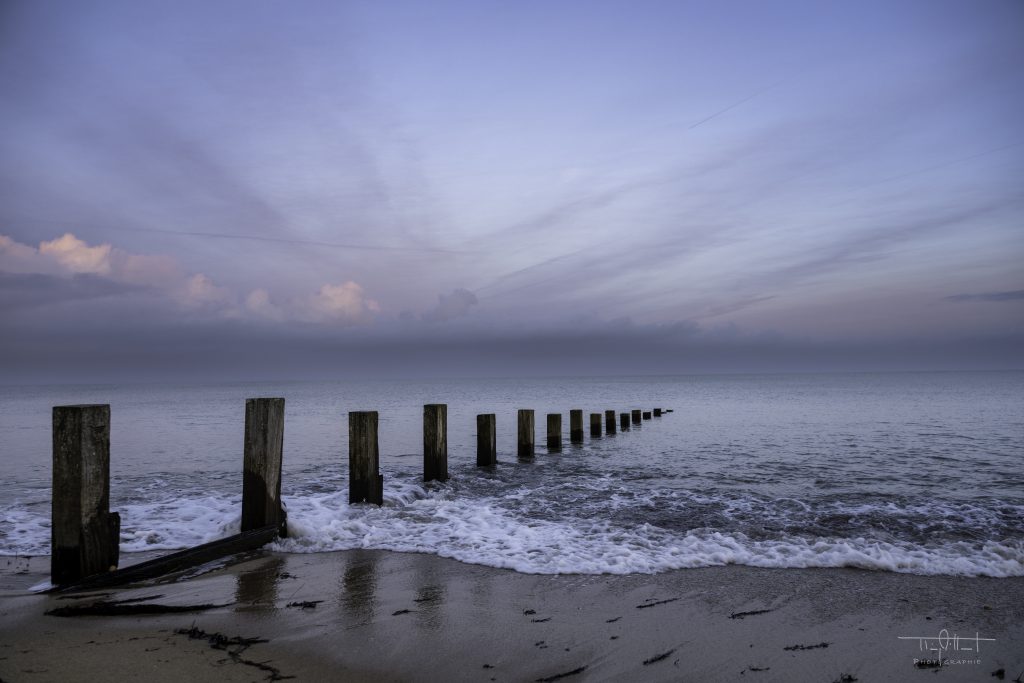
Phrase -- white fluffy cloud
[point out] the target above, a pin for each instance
(68, 256)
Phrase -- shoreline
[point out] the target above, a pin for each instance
(383, 615)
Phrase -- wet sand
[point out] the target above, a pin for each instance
(384, 616)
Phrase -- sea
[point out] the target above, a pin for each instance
(899, 472)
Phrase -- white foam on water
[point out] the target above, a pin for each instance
(482, 532)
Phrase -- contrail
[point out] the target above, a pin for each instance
(734, 105)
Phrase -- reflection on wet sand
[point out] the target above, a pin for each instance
(258, 586)
(359, 585)
(431, 593)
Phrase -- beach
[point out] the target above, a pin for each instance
(363, 615)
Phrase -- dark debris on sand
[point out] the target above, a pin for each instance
(548, 679)
(846, 678)
(657, 658)
(234, 646)
(658, 602)
(304, 604)
(740, 615)
(791, 648)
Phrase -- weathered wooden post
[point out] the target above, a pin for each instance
(609, 421)
(647, 415)
(525, 449)
(365, 483)
(486, 440)
(657, 412)
(261, 465)
(84, 534)
(554, 432)
(435, 442)
(624, 421)
(576, 426)
(636, 417)
(595, 425)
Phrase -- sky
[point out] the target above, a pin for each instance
(272, 190)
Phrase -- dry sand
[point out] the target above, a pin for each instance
(383, 616)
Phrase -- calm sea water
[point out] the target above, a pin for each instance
(902, 472)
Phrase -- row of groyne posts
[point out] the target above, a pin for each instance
(85, 534)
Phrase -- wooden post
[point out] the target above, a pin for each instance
(668, 410)
(647, 415)
(554, 432)
(486, 440)
(657, 412)
(261, 465)
(365, 483)
(525, 449)
(435, 442)
(609, 421)
(576, 426)
(624, 421)
(595, 425)
(84, 534)
(636, 417)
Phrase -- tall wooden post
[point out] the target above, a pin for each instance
(595, 425)
(576, 426)
(84, 534)
(261, 465)
(657, 412)
(609, 421)
(525, 449)
(636, 417)
(486, 440)
(365, 483)
(554, 432)
(624, 421)
(435, 442)
(647, 415)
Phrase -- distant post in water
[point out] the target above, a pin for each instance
(435, 442)
(595, 425)
(486, 441)
(576, 426)
(636, 417)
(261, 465)
(525, 449)
(647, 415)
(365, 483)
(657, 412)
(84, 534)
(624, 421)
(554, 431)
(609, 421)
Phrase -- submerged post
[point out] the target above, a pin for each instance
(84, 534)
(525, 449)
(647, 415)
(261, 465)
(365, 483)
(624, 421)
(435, 442)
(609, 421)
(595, 425)
(576, 426)
(657, 412)
(554, 432)
(486, 441)
(636, 417)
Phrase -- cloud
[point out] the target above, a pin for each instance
(345, 303)
(454, 305)
(1015, 295)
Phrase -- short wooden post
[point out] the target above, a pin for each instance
(486, 440)
(624, 421)
(636, 417)
(435, 442)
(595, 425)
(261, 465)
(554, 432)
(576, 426)
(525, 421)
(609, 421)
(365, 483)
(84, 534)
(647, 415)
(657, 412)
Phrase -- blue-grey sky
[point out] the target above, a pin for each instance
(707, 185)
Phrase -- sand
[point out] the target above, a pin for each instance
(384, 616)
